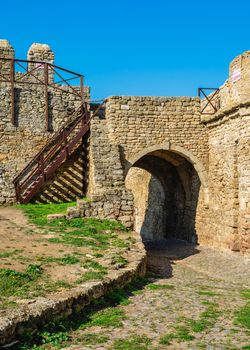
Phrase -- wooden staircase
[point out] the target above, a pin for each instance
(34, 176)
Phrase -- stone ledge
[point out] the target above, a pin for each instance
(36, 313)
(224, 112)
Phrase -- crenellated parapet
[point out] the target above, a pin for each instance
(41, 52)
(6, 51)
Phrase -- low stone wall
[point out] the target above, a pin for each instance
(36, 313)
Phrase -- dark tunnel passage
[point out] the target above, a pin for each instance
(166, 190)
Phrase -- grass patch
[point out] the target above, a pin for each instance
(153, 286)
(181, 334)
(207, 293)
(100, 313)
(120, 243)
(10, 253)
(91, 276)
(109, 317)
(37, 213)
(207, 318)
(134, 342)
(119, 260)
(14, 283)
(117, 297)
(5, 304)
(166, 339)
(79, 232)
(92, 339)
(90, 264)
(66, 260)
(245, 293)
(199, 325)
(242, 316)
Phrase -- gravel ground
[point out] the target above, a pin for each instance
(195, 284)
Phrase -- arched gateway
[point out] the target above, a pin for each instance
(164, 139)
(168, 184)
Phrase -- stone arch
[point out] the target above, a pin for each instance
(182, 177)
(167, 146)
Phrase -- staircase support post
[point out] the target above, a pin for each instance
(12, 81)
(46, 97)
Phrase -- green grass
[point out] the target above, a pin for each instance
(199, 325)
(92, 233)
(242, 316)
(90, 264)
(207, 293)
(14, 283)
(207, 318)
(80, 232)
(134, 342)
(166, 339)
(109, 317)
(66, 260)
(37, 213)
(153, 286)
(117, 297)
(5, 304)
(91, 276)
(119, 260)
(55, 339)
(245, 293)
(92, 339)
(101, 313)
(181, 334)
(10, 253)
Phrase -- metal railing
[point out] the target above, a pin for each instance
(41, 73)
(58, 149)
(209, 99)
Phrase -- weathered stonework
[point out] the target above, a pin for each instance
(162, 136)
(198, 163)
(205, 177)
(19, 143)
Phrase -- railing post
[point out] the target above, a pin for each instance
(18, 192)
(12, 84)
(46, 97)
(41, 167)
(81, 87)
(65, 142)
(86, 112)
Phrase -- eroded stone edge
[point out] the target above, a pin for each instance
(39, 312)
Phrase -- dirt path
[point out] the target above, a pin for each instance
(12, 220)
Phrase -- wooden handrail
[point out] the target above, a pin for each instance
(45, 163)
(55, 137)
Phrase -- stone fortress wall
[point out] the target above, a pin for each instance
(205, 157)
(155, 163)
(20, 142)
(229, 159)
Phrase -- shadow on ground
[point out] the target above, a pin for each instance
(162, 254)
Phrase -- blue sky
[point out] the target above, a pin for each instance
(134, 47)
